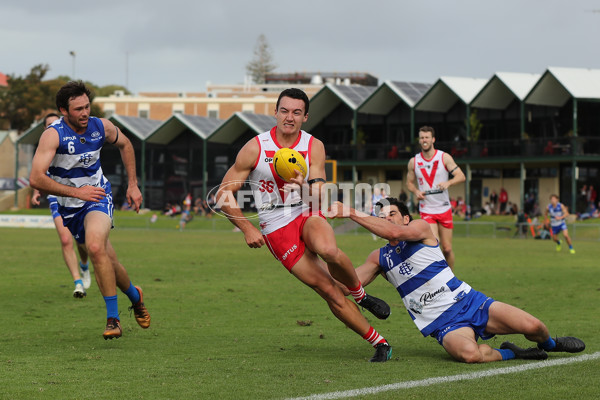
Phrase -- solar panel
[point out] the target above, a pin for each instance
(205, 125)
(355, 94)
(139, 126)
(413, 90)
(262, 122)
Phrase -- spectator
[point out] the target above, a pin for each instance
(583, 201)
(460, 207)
(199, 206)
(403, 196)
(591, 195)
(453, 204)
(503, 199)
(494, 201)
(488, 208)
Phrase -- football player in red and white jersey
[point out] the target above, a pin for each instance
(431, 169)
(296, 234)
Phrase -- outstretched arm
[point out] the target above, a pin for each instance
(415, 231)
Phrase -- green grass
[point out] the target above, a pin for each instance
(225, 322)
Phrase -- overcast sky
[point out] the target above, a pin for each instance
(179, 46)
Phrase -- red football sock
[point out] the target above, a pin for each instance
(373, 337)
(358, 292)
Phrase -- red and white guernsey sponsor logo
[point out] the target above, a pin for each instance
(430, 177)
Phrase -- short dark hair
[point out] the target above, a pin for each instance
(427, 129)
(70, 90)
(294, 93)
(48, 116)
(392, 201)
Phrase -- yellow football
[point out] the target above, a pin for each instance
(286, 161)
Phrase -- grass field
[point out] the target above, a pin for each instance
(228, 322)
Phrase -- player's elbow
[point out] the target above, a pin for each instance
(225, 200)
(34, 180)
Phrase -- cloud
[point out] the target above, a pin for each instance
(179, 45)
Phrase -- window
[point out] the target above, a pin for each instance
(178, 108)
(213, 110)
(144, 110)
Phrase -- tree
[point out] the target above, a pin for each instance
(262, 63)
(27, 99)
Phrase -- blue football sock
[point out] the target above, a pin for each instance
(112, 308)
(132, 293)
(78, 282)
(84, 267)
(571, 247)
(548, 344)
(507, 354)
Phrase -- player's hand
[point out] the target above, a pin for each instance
(90, 193)
(254, 239)
(35, 198)
(421, 195)
(338, 210)
(444, 185)
(298, 179)
(295, 184)
(134, 197)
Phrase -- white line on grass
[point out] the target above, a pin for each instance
(452, 378)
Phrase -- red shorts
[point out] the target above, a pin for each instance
(286, 243)
(444, 219)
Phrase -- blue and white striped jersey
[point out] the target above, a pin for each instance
(430, 291)
(77, 159)
(554, 212)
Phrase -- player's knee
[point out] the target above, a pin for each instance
(329, 253)
(66, 241)
(535, 327)
(95, 249)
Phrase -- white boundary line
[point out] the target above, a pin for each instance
(452, 378)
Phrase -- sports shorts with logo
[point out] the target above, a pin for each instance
(444, 219)
(286, 243)
(75, 224)
(559, 228)
(474, 314)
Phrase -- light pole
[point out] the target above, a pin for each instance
(72, 53)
